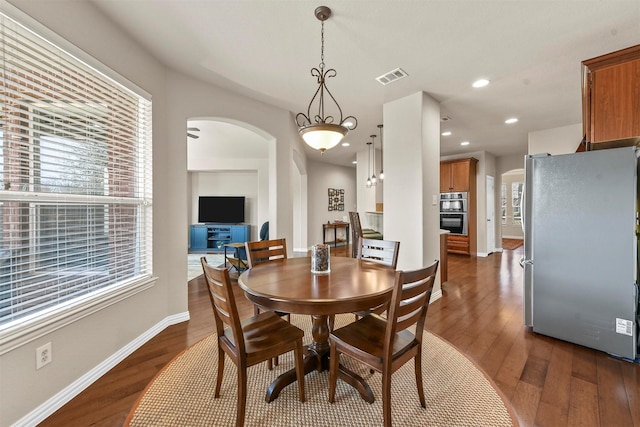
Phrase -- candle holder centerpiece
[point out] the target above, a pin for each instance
(320, 263)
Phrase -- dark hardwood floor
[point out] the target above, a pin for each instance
(549, 382)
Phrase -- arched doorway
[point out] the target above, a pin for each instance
(229, 157)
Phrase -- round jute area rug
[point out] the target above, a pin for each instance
(456, 391)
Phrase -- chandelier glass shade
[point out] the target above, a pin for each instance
(323, 128)
(323, 136)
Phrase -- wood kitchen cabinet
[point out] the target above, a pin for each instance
(460, 175)
(611, 99)
(455, 174)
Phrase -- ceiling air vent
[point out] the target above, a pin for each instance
(392, 76)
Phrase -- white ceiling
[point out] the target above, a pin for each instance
(530, 50)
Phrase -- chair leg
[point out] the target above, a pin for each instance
(242, 395)
(334, 359)
(386, 397)
(300, 369)
(275, 359)
(419, 383)
(220, 371)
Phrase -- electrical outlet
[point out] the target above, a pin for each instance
(43, 355)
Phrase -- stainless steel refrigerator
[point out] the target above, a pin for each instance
(580, 248)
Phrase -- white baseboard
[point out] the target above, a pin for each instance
(72, 390)
(436, 295)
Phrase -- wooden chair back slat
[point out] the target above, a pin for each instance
(383, 252)
(262, 251)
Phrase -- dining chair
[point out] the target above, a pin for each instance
(383, 252)
(259, 252)
(250, 341)
(262, 251)
(357, 231)
(385, 344)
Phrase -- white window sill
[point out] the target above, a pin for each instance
(61, 316)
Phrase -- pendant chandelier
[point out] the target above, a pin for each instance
(318, 128)
(368, 185)
(374, 180)
(371, 178)
(381, 176)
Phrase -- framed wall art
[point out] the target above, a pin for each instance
(336, 199)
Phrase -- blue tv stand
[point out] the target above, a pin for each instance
(213, 237)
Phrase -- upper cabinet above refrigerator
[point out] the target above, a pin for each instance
(611, 99)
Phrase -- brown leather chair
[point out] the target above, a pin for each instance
(251, 341)
(386, 344)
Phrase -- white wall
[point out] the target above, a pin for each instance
(412, 179)
(79, 353)
(560, 140)
(321, 177)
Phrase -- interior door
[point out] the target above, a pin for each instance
(491, 214)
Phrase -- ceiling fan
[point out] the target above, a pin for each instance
(192, 135)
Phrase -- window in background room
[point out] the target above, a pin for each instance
(516, 195)
(75, 181)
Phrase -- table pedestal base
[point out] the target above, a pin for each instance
(317, 358)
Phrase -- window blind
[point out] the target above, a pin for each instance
(75, 179)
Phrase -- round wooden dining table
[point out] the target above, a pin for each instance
(288, 285)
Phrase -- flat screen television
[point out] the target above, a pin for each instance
(222, 209)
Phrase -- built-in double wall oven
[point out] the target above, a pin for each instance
(453, 212)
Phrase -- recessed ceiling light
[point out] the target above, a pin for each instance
(355, 162)
(345, 144)
(480, 83)
(511, 120)
(447, 133)
(464, 143)
(348, 124)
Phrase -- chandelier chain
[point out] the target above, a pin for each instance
(322, 47)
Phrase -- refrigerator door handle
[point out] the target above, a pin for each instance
(524, 262)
